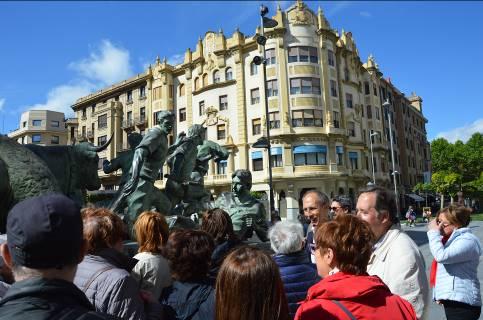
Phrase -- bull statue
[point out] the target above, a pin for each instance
(31, 170)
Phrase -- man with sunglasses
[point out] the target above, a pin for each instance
(396, 259)
(315, 205)
(340, 206)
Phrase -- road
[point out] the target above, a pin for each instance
(418, 234)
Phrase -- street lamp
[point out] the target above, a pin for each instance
(386, 105)
(266, 22)
(372, 156)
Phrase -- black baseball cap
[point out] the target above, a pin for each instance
(45, 232)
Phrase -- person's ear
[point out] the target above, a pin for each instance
(384, 217)
(7, 257)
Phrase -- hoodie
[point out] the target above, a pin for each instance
(366, 297)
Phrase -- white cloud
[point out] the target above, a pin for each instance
(365, 14)
(107, 64)
(176, 59)
(2, 103)
(338, 6)
(60, 98)
(462, 133)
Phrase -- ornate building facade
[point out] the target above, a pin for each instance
(323, 101)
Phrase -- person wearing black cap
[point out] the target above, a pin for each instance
(44, 246)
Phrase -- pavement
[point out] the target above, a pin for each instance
(418, 234)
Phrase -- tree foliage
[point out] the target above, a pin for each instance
(458, 166)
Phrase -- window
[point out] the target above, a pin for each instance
(276, 157)
(36, 123)
(223, 102)
(102, 121)
(333, 88)
(339, 151)
(369, 112)
(374, 89)
(220, 132)
(351, 128)
(201, 107)
(305, 85)
(157, 93)
(349, 101)
(336, 119)
(303, 54)
(129, 96)
(181, 90)
(101, 140)
(182, 114)
(83, 131)
(272, 88)
(171, 91)
(84, 113)
(228, 74)
(346, 74)
(310, 155)
(142, 113)
(197, 83)
(221, 167)
(255, 96)
(36, 138)
(378, 116)
(331, 58)
(54, 140)
(257, 161)
(93, 107)
(142, 92)
(253, 69)
(129, 117)
(24, 124)
(366, 88)
(216, 76)
(274, 120)
(271, 58)
(307, 118)
(364, 136)
(54, 123)
(100, 163)
(256, 126)
(205, 80)
(353, 158)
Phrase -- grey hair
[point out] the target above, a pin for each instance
(286, 237)
(322, 197)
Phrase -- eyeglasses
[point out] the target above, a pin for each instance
(335, 208)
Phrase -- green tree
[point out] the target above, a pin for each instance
(423, 187)
(445, 182)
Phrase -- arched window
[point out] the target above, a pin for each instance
(228, 74)
(205, 80)
(181, 90)
(216, 76)
(197, 83)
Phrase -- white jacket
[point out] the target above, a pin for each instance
(399, 263)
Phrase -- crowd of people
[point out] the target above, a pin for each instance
(64, 262)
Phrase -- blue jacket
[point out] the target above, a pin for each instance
(298, 275)
(188, 301)
(456, 276)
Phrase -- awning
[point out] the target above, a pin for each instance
(353, 155)
(257, 155)
(415, 197)
(275, 151)
(339, 149)
(309, 149)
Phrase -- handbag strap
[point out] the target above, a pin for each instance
(343, 308)
(95, 276)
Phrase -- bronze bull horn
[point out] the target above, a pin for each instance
(104, 146)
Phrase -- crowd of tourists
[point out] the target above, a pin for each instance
(64, 262)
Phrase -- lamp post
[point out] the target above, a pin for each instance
(263, 142)
(372, 156)
(386, 105)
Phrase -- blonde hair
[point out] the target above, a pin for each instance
(151, 231)
(458, 216)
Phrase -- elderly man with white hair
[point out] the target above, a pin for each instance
(297, 271)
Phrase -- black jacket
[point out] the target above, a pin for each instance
(219, 254)
(39, 298)
(188, 301)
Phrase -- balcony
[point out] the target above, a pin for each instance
(141, 121)
(128, 125)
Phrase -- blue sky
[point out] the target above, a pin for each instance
(51, 53)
